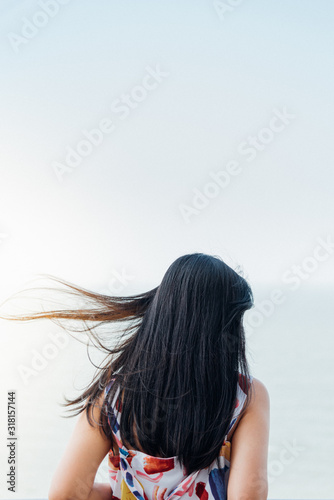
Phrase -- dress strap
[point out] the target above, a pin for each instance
(240, 402)
(113, 412)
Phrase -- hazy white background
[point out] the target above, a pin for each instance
(120, 210)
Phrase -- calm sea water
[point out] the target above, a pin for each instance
(292, 352)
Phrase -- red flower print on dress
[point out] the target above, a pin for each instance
(152, 465)
(201, 491)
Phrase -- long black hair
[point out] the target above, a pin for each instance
(180, 360)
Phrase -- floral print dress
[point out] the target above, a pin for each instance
(136, 475)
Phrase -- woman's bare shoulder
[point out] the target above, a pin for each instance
(259, 396)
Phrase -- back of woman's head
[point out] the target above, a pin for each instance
(180, 371)
(179, 368)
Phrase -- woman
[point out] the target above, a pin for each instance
(174, 406)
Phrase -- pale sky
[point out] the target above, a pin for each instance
(120, 207)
